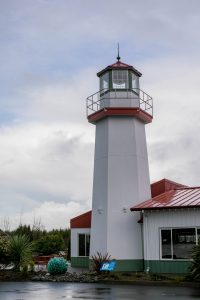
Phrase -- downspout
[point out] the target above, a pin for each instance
(146, 242)
(142, 237)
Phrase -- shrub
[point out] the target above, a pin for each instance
(4, 248)
(194, 273)
(20, 251)
(49, 244)
(98, 259)
(57, 265)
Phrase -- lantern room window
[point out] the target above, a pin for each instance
(120, 79)
(135, 82)
(104, 81)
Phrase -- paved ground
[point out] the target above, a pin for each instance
(76, 270)
(52, 291)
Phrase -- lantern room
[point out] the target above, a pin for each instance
(119, 76)
(119, 94)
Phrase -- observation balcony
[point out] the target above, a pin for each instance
(120, 102)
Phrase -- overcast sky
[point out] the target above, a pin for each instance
(50, 52)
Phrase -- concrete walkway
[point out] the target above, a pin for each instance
(76, 270)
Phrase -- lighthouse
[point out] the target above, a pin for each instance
(142, 226)
(119, 110)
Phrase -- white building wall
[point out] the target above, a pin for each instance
(98, 241)
(155, 220)
(74, 239)
(121, 179)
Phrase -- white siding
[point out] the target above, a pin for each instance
(121, 179)
(155, 220)
(120, 99)
(74, 239)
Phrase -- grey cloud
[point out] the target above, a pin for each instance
(49, 56)
(58, 146)
(176, 158)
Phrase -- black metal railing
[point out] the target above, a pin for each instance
(95, 102)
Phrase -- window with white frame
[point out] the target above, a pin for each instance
(120, 79)
(177, 243)
(83, 244)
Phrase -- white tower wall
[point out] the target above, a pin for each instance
(121, 179)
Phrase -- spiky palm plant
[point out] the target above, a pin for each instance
(98, 259)
(20, 250)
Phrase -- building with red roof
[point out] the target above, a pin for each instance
(169, 223)
(145, 227)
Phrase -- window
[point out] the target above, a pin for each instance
(104, 81)
(177, 243)
(120, 79)
(198, 235)
(183, 242)
(135, 82)
(83, 244)
(166, 243)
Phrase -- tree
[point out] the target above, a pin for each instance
(4, 247)
(65, 233)
(51, 243)
(24, 230)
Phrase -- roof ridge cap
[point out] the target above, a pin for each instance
(187, 188)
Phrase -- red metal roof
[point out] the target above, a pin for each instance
(119, 65)
(164, 185)
(177, 198)
(162, 189)
(81, 221)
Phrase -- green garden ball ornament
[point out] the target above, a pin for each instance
(57, 265)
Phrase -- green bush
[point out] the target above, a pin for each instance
(4, 248)
(49, 244)
(194, 273)
(57, 265)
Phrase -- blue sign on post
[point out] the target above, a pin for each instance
(108, 266)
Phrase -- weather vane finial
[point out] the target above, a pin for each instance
(118, 57)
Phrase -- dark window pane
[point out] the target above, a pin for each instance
(87, 245)
(184, 240)
(198, 235)
(81, 244)
(166, 243)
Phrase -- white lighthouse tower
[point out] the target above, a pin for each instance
(119, 110)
